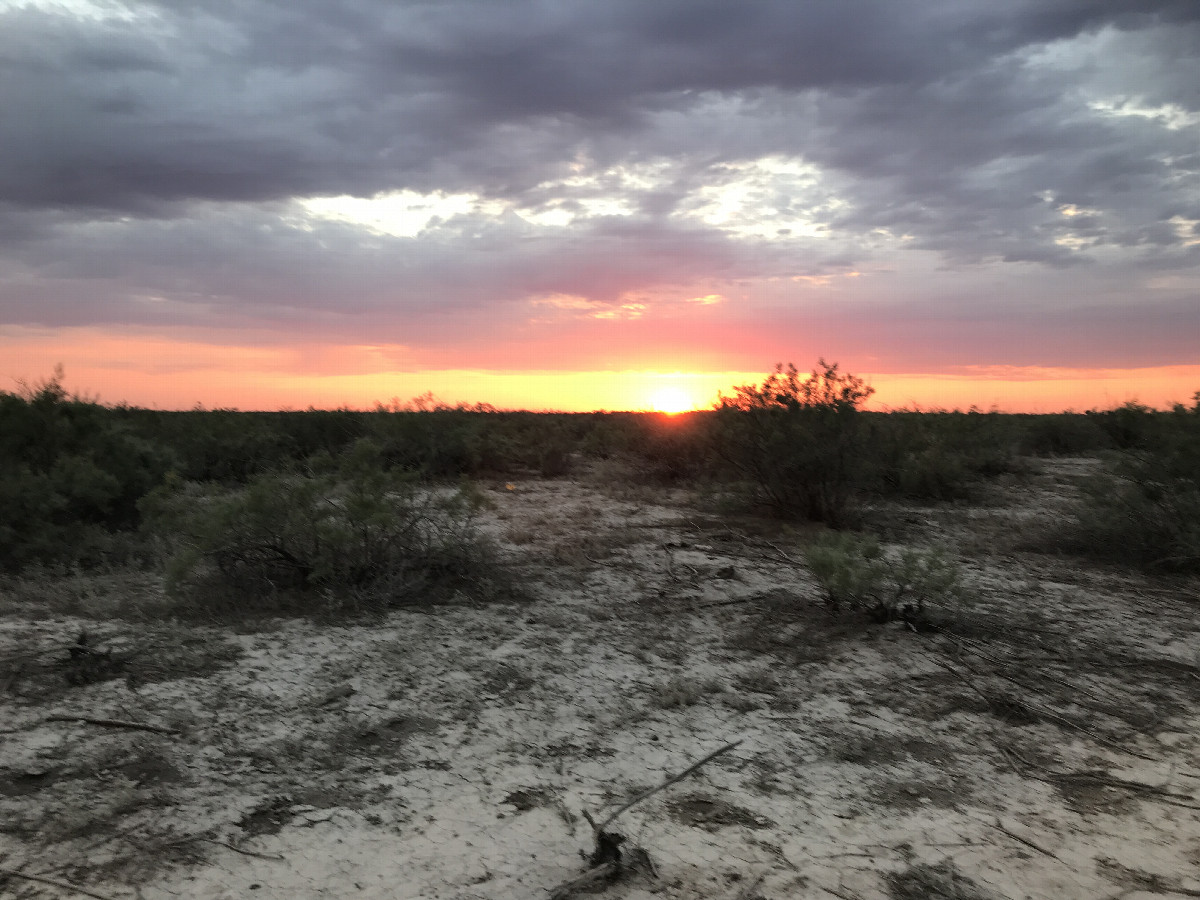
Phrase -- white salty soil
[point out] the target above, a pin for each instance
(1043, 745)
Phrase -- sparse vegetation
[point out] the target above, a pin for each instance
(680, 691)
(1146, 508)
(153, 741)
(74, 474)
(343, 536)
(857, 573)
(71, 475)
(937, 456)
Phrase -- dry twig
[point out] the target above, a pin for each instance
(591, 876)
(1043, 712)
(975, 647)
(1028, 843)
(53, 882)
(271, 856)
(670, 781)
(839, 893)
(112, 723)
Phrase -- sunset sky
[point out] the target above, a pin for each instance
(582, 204)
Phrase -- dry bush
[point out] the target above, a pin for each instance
(797, 440)
(355, 537)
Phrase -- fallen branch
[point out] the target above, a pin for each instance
(52, 882)
(591, 876)
(1102, 777)
(733, 602)
(965, 680)
(666, 784)
(1043, 712)
(605, 860)
(974, 646)
(271, 856)
(112, 723)
(780, 556)
(1028, 843)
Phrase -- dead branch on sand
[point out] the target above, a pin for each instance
(1038, 710)
(666, 784)
(112, 723)
(605, 860)
(999, 826)
(588, 878)
(1103, 778)
(53, 882)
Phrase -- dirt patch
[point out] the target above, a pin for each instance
(46, 662)
(866, 748)
(526, 799)
(387, 735)
(268, 817)
(934, 882)
(501, 679)
(904, 795)
(711, 813)
(16, 783)
(459, 750)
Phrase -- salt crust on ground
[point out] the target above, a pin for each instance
(450, 752)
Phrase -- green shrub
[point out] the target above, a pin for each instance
(1064, 434)
(858, 574)
(672, 449)
(1129, 426)
(936, 456)
(1146, 508)
(71, 475)
(222, 445)
(438, 443)
(343, 536)
(798, 441)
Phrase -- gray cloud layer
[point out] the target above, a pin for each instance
(152, 159)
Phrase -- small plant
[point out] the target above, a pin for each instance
(857, 573)
(681, 691)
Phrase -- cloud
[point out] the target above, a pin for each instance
(431, 173)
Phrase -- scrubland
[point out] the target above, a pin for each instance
(422, 653)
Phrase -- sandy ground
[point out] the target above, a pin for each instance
(1044, 744)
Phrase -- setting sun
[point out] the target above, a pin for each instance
(672, 400)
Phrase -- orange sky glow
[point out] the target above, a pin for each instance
(161, 373)
(621, 206)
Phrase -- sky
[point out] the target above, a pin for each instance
(600, 204)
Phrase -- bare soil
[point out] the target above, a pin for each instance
(1040, 742)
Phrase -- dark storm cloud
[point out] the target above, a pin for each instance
(252, 101)
(149, 161)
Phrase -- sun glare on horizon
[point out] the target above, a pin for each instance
(672, 400)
